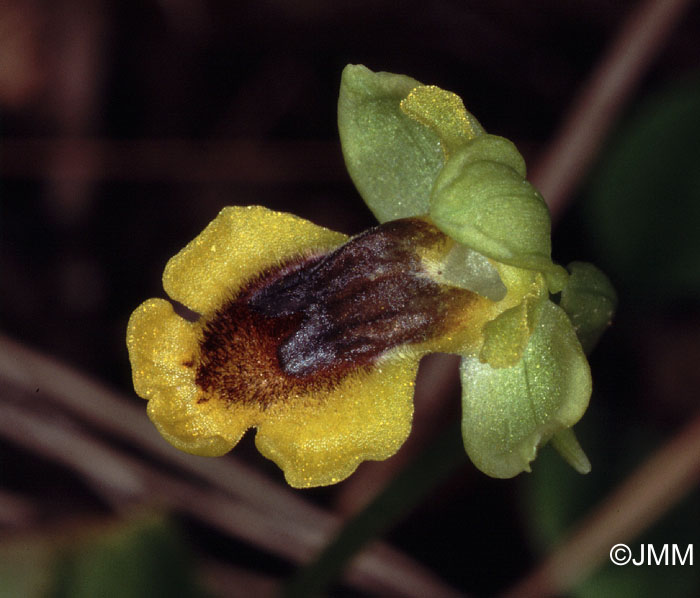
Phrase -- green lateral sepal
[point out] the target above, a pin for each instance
(508, 413)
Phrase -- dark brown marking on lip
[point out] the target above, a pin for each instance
(305, 325)
(238, 358)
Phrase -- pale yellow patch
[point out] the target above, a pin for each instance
(443, 112)
(507, 335)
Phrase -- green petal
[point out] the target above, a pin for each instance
(507, 335)
(490, 207)
(481, 199)
(484, 147)
(444, 112)
(589, 300)
(392, 159)
(508, 413)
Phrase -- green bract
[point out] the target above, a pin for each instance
(414, 150)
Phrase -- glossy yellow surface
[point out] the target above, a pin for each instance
(324, 438)
(238, 244)
(317, 439)
(160, 342)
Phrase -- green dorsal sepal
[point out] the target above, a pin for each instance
(392, 158)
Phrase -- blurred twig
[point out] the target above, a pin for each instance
(649, 492)
(16, 511)
(226, 581)
(110, 471)
(674, 470)
(602, 97)
(563, 165)
(172, 160)
(241, 502)
(407, 489)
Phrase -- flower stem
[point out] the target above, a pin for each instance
(398, 497)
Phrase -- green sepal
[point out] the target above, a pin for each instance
(567, 445)
(508, 413)
(392, 159)
(589, 300)
(556, 277)
(481, 199)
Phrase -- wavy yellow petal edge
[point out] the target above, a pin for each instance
(234, 247)
(318, 439)
(323, 439)
(238, 244)
(161, 344)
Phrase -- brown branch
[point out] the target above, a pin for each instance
(602, 97)
(111, 472)
(658, 484)
(655, 487)
(246, 503)
(234, 582)
(114, 413)
(16, 511)
(173, 160)
(556, 175)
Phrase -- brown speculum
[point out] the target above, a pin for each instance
(303, 326)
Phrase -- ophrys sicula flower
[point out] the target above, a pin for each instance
(314, 338)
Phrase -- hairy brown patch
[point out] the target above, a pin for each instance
(302, 327)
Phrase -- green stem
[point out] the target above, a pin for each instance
(399, 496)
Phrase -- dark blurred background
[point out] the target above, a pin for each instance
(126, 126)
